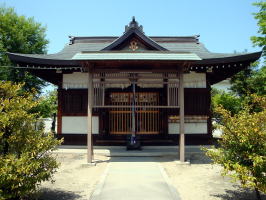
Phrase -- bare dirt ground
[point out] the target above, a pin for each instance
(198, 181)
(74, 180)
(202, 181)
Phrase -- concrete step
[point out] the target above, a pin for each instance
(120, 151)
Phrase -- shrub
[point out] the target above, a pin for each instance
(25, 153)
(242, 152)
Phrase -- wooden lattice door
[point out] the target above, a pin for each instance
(145, 113)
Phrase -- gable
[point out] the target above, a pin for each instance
(134, 39)
(134, 43)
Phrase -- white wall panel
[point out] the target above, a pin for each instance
(195, 80)
(79, 125)
(80, 80)
(75, 80)
(190, 128)
(223, 85)
(95, 124)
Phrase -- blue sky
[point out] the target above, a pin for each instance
(224, 25)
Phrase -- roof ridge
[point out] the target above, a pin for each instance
(158, 36)
(85, 39)
(134, 29)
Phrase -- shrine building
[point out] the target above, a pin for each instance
(157, 88)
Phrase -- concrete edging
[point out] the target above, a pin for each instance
(99, 186)
(174, 193)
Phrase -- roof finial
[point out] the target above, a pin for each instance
(133, 24)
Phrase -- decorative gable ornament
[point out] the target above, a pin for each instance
(134, 24)
(134, 30)
(133, 45)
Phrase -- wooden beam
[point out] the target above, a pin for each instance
(144, 106)
(138, 82)
(90, 104)
(181, 104)
(116, 69)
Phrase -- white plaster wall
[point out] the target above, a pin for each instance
(195, 80)
(190, 128)
(79, 125)
(80, 80)
(223, 85)
(47, 124)
(153, 85)
(75, 80)
(115, 83)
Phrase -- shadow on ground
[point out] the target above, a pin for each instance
(239, 194)
(164, 153)
(48, 194)
(199, 158)
(195, 158)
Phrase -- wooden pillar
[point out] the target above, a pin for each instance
(90, 104)
(181, 116)
(59, 108)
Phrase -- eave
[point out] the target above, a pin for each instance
(251, 57)
(217, 69)
(30, 59)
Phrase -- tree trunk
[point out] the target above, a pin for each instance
(257, 193)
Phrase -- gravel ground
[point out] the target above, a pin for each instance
(203, 181)
(198, 181)
(74, 180)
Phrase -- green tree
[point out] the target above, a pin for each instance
(25, 153)
(227, 100)
(20, 35)
(242, 151)
(47, 106)
(253, 79)
(261, 17)
(249, 81)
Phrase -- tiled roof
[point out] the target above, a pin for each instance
(103, 50)
(188, 44)
(175, 44)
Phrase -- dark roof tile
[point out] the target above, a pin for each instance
(176, 44)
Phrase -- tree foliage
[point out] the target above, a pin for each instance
(47, 106)
(242, 151)
(249, 81)
(25, 153)
(19, 34)
(229, 101)
(261, 18)
(253, 79)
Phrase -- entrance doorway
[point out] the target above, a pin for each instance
(143, 110)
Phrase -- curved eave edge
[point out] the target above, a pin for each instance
(239, 58)
(74, 62)
(40, 61)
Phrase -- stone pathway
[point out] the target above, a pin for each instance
(134, 178)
